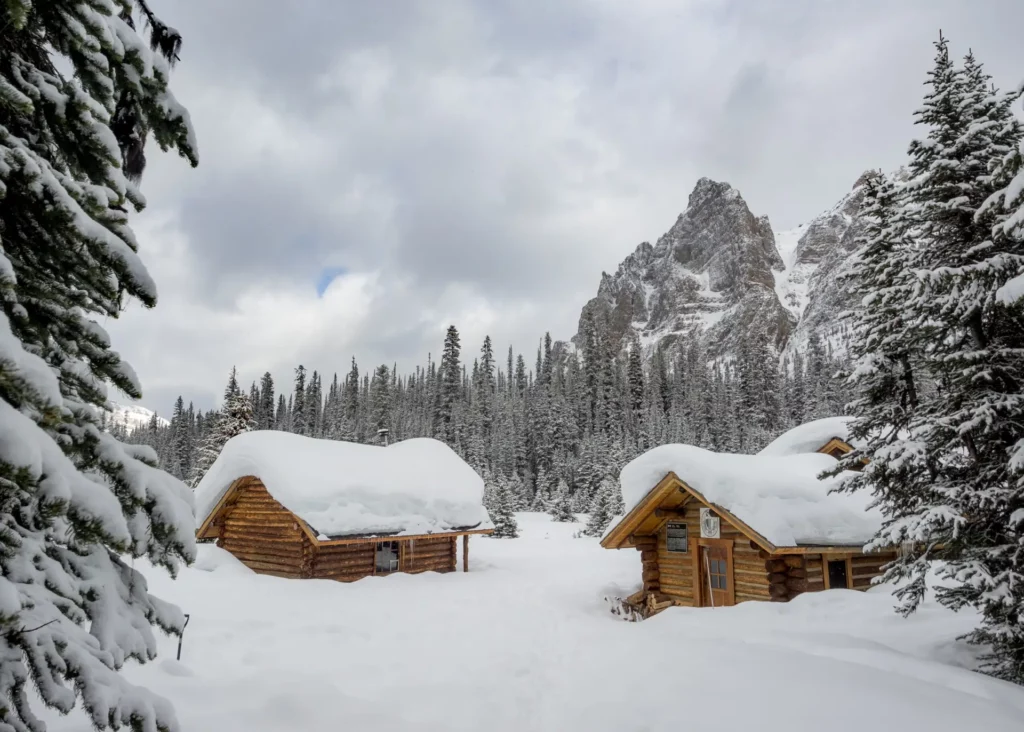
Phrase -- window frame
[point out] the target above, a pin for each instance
(675, 526)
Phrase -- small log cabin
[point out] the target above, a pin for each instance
(715, 529)
(297, 507)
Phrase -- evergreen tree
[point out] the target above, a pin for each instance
(607, 503)
(560, 507)
(380, 400)
(939, 364)
(236, 417)
(297, 408)
(635, 383)
(80, 93)
(502, 510)
(265, 416)
(450, 385)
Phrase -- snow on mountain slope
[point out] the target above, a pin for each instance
(711, 272)
(133, 416)
(791, 284)
(525, 641)
(720, 271)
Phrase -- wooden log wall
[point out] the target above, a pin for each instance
(861, 570)
(263, 535)
(815, 572)
(671, 573)
(787, 575)
(429, 555)
(345, 562)
(749, 576)
(868, 566)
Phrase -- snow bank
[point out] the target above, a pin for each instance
(809, 437)
(519, 643)
(779, 497)
(418, 486)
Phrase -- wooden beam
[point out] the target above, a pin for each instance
(401, 537)
(670, 512)
(465, 552)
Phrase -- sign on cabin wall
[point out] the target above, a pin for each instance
(710, 526)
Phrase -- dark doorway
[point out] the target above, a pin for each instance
(837, 574)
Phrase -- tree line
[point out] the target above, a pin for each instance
(553, 433)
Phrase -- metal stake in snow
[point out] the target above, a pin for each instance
(182, 636)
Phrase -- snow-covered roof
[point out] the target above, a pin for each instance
(417, 486)
(810, 437)
(779, 497)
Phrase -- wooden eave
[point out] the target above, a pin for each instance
(400, 537)
(843, 446)
(632, 522)
(666, 487)
(205, 530)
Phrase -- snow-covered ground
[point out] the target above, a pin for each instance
(525, 641)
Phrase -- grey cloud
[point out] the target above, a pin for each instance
(506, 152)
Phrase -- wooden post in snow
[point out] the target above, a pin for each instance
(465, 552)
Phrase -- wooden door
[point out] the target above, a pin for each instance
(716, 579)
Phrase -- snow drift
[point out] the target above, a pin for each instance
(780, 497)
(418, 486)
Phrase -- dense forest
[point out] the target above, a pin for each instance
(553, 431)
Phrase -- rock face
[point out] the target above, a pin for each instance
(722, 273)
(713, 271)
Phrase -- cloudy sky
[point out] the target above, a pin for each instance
(374, 171)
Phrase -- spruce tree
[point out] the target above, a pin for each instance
(635, 383)
(80, 94)
(606, 505)
(938, 365)
(502, 510)
(560, 506)
(450, 387)
(380, 400)
(266, 417)
(236, 416)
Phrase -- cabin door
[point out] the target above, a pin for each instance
(715, 574)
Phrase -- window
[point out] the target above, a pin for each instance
(837, 574)
(718, 574)
(677, 538)
(386, 559)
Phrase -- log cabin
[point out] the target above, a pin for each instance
(716, 529)
(298, 507)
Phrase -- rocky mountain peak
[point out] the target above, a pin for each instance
(711, 269)
(720, 273)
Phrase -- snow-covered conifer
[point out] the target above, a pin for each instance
(938, 363)
(560, 507)
(502, 510)
(80, 93)
(236, 416)
(606, 505)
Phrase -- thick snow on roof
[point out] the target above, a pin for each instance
(418, 486)
(781, 498)
(809, 437)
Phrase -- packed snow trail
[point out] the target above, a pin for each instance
(525, 641)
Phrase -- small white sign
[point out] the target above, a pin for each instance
(709, 524)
